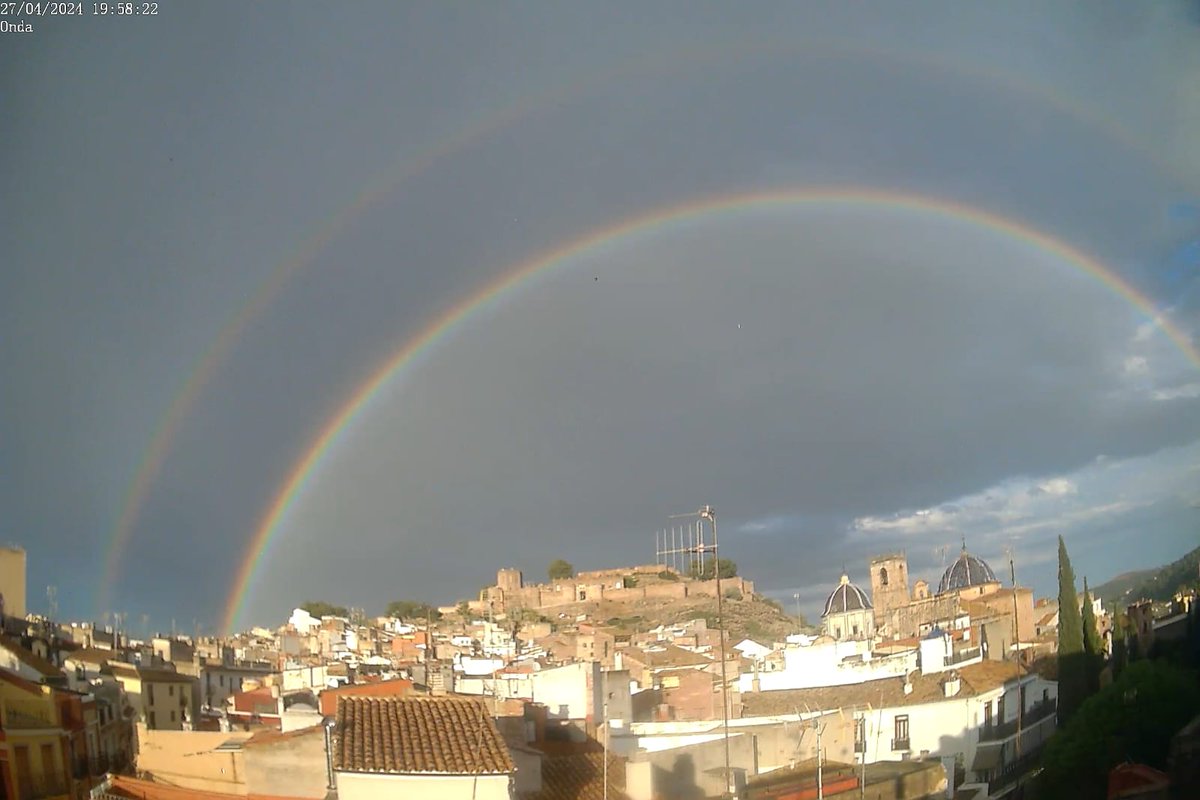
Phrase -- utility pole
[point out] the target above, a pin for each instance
(1012, 574)
(820, 777)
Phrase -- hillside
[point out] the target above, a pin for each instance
(1151, 584)
(751, 617)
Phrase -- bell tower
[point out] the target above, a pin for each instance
(889, 584)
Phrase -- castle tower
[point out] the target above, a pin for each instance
(509, 580)
(889, 584)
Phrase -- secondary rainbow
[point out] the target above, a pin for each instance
(692, 211)
(687, 58)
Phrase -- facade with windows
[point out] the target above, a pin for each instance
(161, 699)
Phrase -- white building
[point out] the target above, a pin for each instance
(825, 662)
(968, 714)
(304, 622)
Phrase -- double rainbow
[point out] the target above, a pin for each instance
(692, 212)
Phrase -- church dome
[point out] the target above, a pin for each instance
(846, 597)
(967, 570)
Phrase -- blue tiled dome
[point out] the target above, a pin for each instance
(967, 570)
(846, 597)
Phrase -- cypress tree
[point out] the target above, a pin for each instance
(1093, 645)
(1072, 660)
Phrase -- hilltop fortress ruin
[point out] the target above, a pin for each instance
(620, 584)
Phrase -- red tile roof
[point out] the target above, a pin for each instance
(405, 735)
(581, 777)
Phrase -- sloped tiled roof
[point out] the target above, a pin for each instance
(580, 776)
(30, 659)
(885, 692)
(406, 735)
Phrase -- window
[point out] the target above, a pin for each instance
(900, 742)
(153, 722)
(883, 576)
(150, 693)
(171, 690)
(1000, 709)
(222, 681)
(860, 735)
(987, 714)
(172, 716)
(856, 630)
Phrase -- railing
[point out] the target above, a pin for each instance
(1014, 770)
(18, 719)
(900, 744)
(1003, 730)
(969, 654)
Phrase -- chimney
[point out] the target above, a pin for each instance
(951, 685)
(907, 685)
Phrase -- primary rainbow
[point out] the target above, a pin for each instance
(694, 210)
(688, 57)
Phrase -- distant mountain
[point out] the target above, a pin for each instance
(1151, 584)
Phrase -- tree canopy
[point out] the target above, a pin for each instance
(1131, 719)
(319, 608)
(1072, 660)
(560, 570)
(411, 609)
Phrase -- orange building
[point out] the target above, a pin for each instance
(395, 688)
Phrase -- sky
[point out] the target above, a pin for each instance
(837, 379)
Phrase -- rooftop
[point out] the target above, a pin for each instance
(35, 662)
(412, 735)
(581, 777)
(886, 692)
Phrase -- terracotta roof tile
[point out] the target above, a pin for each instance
(886, 692)
(445, 735)
(580, 776)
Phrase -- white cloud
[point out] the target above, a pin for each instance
(1023, 508)
(1058, 486)
(1136, 365)
(1188, 391)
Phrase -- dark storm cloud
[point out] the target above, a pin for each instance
(159, 170)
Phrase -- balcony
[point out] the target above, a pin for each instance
(1013, 771)
(1004, 730)
(970, 654)
(900, 744)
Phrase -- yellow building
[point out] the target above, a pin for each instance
(12, 581)
(33, 743)
(162, 699)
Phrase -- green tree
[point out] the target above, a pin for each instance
(1133, 719)
(319, 608)
(560, 570)
(411, 610)
(1093, 645)
(726, 567)
(464, 609)
(1072, 659)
